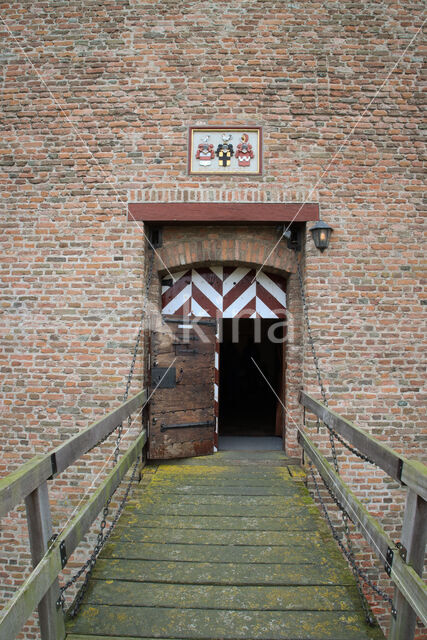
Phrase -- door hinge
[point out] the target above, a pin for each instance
(182, 349)
(187, 425)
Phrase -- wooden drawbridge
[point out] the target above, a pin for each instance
(217, 547)
(225, 546)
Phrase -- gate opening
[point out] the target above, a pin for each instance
(247, 405)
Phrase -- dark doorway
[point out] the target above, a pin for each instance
(247, 405)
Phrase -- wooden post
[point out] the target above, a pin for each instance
(414, 538)
(40, 531)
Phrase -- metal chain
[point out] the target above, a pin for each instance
(332, 433)
(103, 534)
(102, 538)
(350, 448)
(316, 362)
(349, 553)
(141, 323)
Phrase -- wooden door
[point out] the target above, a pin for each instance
(182, 415)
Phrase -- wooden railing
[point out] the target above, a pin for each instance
(404, 564)
(29, 484)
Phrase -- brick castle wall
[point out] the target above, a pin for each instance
(96, 104)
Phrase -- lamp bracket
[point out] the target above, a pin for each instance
(292, 235)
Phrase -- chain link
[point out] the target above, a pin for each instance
(102, 538)
(350, 448)
(104, 533)
(332, 433)
(348, 552)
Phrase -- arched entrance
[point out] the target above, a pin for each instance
(218, 356)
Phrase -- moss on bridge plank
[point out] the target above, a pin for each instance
(209, 551)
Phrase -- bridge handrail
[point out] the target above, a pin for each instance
(404, 563)
(29, 482)
(16, 486)
(408, 472)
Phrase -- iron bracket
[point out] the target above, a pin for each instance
(63, 552)
(51, 540)
(389, 561)
(54, 466)
(181, 349)
(186, 320)
(403, 552)
(399, 470)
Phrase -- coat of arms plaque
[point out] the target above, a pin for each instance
(225, 150)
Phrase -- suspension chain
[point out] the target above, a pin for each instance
(102, 538)
(316, 363)
(332, 433)
(350, 448)
(104, 533)
(348, 552)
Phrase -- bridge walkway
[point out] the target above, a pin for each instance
(222, 547)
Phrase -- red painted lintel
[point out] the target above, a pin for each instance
(259, 212)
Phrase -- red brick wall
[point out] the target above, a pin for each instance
(96, 103)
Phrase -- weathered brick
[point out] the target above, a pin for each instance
(101, 115)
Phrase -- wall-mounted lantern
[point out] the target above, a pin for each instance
(321, 233)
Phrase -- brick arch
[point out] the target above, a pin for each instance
(227, 250)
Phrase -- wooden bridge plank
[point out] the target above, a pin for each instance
(262, 598)
(221, 553)
(231, 624)
(239, 458)
(238, 477)
(73, 636)
(294, 522)
(224, 481)
(225, 573)
(273, 503)
(197, 536)
(224, 490)
(226, 510)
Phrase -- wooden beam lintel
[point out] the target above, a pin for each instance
(222, 212)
